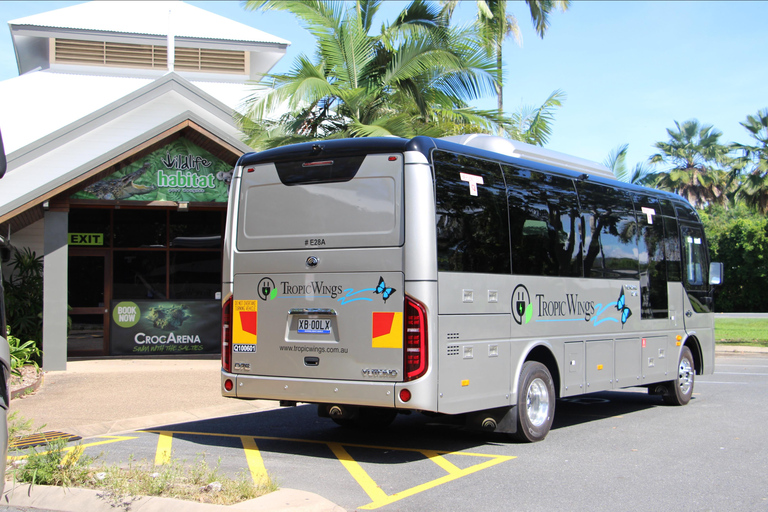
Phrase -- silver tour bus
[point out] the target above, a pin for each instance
(471, 275)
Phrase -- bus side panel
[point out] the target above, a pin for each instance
(475, 351)
(474, 361)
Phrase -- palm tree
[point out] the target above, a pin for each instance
(692, 152)
(414, 78)
(496, 26)
(754, 186)
(533, 124)
(616, 161)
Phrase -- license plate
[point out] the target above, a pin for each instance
(314, 326)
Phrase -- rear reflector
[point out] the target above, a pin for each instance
(228, 385)
(226, 335)
(415, 339)
(405, 395)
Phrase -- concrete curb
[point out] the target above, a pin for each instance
(740, 349)
(78, 500)
(30, 388)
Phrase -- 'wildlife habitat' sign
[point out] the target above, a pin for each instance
(180, 171)
(150, 327)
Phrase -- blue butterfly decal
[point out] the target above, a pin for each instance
(621, 305)
(625, 314)
(382, 289)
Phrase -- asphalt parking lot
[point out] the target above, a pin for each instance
(607, 451)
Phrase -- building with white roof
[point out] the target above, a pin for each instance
(118, 167)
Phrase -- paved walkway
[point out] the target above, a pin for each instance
(109, 396)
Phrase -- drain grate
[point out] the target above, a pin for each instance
(18, 443)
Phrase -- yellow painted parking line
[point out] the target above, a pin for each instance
(356, 470)
(164, 444)
(111, 439)
(255, 461)
(378, 496)
(377, 503)
(441, 461)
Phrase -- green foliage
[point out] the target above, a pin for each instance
(415, 77)
(738, 237)
(22, 354)
(754, 162)
(24, 295)
(55, 465)
(18, 425)
(693, 153)
(178, 480)
(744, 331)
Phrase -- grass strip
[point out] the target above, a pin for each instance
(124, 484)
(742, 331)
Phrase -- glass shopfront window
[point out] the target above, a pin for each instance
(155, 254)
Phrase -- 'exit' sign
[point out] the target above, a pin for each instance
(86, 239)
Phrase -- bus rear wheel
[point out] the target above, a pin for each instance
(679, 391)
(535, 403)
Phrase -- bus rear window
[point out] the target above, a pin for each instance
(296, 206)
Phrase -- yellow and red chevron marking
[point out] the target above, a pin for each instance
(246, 322)
(387, 329)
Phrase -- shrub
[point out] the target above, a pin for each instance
(24, 295)
(21, 355)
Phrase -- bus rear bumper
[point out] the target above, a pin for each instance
(373, 394)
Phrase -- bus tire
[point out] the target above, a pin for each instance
(679, 391)
(535, 403)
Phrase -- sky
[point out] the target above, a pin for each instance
(629, 69)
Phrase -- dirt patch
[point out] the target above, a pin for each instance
(28, 383)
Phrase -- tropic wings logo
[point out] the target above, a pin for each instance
(522, 307)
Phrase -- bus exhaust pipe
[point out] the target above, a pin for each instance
(489, 424)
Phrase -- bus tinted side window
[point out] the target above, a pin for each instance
(471, 206)
(672, 250)
(544, 223)
(696, 268)
(650, 244)
(610, 239)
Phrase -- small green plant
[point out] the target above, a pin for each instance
(21, 354)
(55, 466)
(18, 426)
(196, 482)
(121, 485)
(24, 295)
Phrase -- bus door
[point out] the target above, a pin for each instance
(697, 311)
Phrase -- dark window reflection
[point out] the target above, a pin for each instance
(139, 275)
(85, 281)
(196, 229)
(610, 232)
(544, 224)
(91, 220)
(140, 228)
(195, 275)
(472, 230)
(672, 251)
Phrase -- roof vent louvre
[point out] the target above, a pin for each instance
(101, 53)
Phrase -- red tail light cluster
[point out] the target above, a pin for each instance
(415, 339)
(226, 335)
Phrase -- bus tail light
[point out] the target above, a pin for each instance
(226, 335)
(415, 339)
